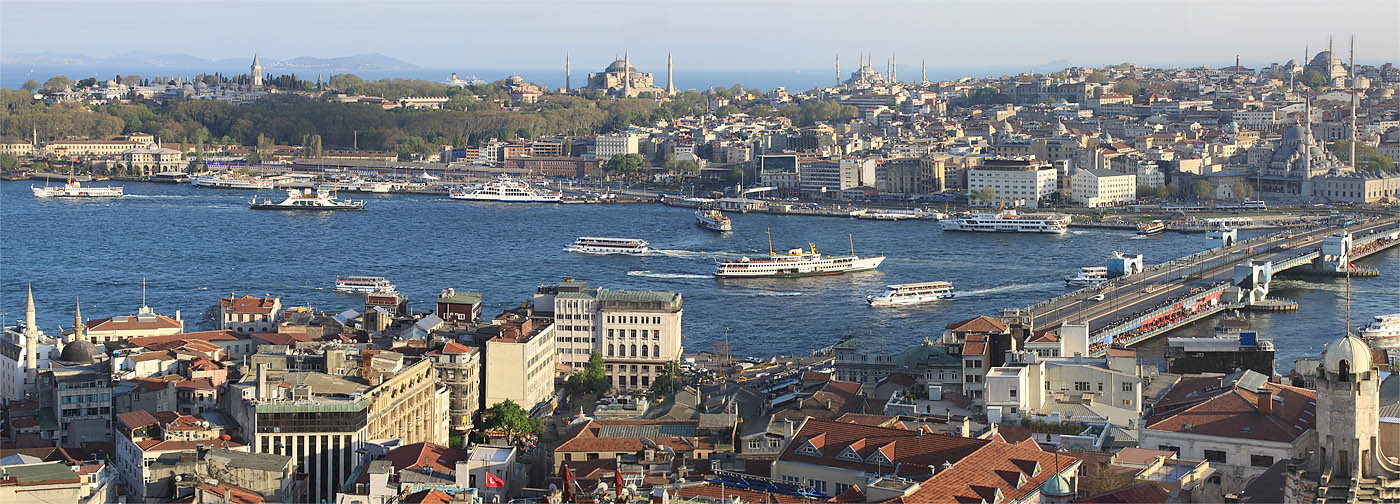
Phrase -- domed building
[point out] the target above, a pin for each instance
(622, 79)
(1327, 64)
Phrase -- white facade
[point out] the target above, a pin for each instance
(1079, 388)
(1096, 188)
(521, 369)
(1017, 182)
(608, 146)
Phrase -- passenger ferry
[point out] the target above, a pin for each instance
(602, 245)
(1009, 221)
(1383, 331)
(73, 189)
(306, 199)
(231, 181)
(363, 284)
(1151, 228)
(1088, 275)
(170, 177)
(912, 293)
(505, 189)
(712, 220)
(797, 263)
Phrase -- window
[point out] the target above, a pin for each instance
(1100, 386)
(790, 479)
(818, 485)
(656, 350)
(1128, 387)
(841, 488)
(1215, 456)
(755, 444)
(1012, 392)
(1081, 386)
(1261, 460)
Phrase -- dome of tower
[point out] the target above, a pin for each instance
(79, 352)
(1057, 486)
(1350, 350)
(620, 66)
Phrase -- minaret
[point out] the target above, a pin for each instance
(923, 71)
(568, 74)
(1351, 74)
(894, 68)
(34, 140)
(838, 69)
(31, 338)
(670, 83)
(79, 329)
(257, 72)
(1307, 136)
(1237, 63)
(626, 74)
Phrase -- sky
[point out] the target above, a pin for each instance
(714, 34)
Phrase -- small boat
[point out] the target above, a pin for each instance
(306, 199)
(73, 189)
(170, 177)
(363, 284)
(712, 220)
(603, 245)
(912, 293)
(1383, 331)
(1088, 275)
(1151, 228)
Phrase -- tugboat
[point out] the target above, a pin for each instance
(306, 199)
(712, 220)
(1151, 228)
(1234, 347)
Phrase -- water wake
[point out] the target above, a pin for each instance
(653, 274)
(694, 254)
(1007, 288)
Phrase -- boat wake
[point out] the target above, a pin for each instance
(695, 254)
(1139, 237)
(1007, 288)
(653, 274)
(1278, 284)
(771, 293)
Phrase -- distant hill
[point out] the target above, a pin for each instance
(177, 61)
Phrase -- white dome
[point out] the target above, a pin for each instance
(1349, 349)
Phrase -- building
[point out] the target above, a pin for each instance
(1096, 188)
(910, 176)
(1018, 182)
(40, 482)
(520, 361)
(151, 159)
(151, 446)
(1075, 387)
(498, 462)
(591, 439)
(1359, 187)
(146, 322)
(622, 79)
(458, 308)
(459, 369)
(636, 332)
(607, 146)
(556, 166)
(250, 314)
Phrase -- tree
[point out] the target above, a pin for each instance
(985, 195)
(1102, 478)
(1314, 79)
(88, 82)
(1201, 190)
(592, 379)
(687, 166)
(1241, 190)
(57, 83)
(1127, 86)
(1368, 158)
(31, 85)
(1095, 78)
(316, 146)
(8, 162)
(668, 381)
(508, 416)
(623, 163)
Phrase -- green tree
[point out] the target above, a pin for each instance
(1241, 190)
(316, 146)
(1201, 190)
(687, 166)
(1314, 79)
(623, 163)
(508, 416)
(592, 379)
(1368, 158)
(8, 162)
(31, 85)
(668, 381)
(984, 195)
(57, 83)
(86, 83)
(1096, 77)
(1127, 86)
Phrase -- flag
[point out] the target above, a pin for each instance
(568, 484)
(617, 481)
(493, 482)
(1351, 265)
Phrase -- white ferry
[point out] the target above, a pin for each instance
(364, 284)
(231, 181)
(1008, 221)
(1151, 228)
(505, 189)
(712, 220)
(1088, 275)
(601, 245)
(306, 199)
(73, 189)
(797, 263)
(1383, 331)
(912, 293)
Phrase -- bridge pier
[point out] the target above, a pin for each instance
(1253, 281)
(1228, 237)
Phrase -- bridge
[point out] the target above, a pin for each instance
(1161, 297)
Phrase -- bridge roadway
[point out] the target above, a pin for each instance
(1163, 282)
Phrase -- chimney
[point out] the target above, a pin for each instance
(262, 380)
(967, 427)
(463, 474)
(1266, 403)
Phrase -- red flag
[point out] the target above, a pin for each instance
(617, 481)
(1351, 265)
(493, 482)
(568, 484)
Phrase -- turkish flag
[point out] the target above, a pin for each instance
(617, 482)
(493, 482)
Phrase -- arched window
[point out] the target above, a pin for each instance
(610, 349)
(644, 350)
(656, 350)
(634, 350)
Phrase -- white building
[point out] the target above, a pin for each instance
(1073, 387)
(1096, 188)
(636, 332)
(608, 146)
(520, 363)
(499, 462)
(250, 314)
(1017, 182)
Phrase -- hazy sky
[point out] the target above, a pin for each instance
(715, 34)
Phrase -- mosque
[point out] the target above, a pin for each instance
(623, 80)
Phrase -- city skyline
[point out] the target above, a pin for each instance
(799, 39)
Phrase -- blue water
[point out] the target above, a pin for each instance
(193, 245)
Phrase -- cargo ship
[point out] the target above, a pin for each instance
(1233, 347)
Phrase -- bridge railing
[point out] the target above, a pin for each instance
(1130, 322)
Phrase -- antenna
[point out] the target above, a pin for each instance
(143, 291)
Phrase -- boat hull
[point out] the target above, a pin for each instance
(506, 199)
(274, 206)
(878, 301)
(585, 249)
(799, 271)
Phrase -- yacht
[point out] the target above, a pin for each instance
(72, 189)
(1151, 228)
(232, 181)
(306, 199)
(712, 220)
(602, 245)
(1383, 331)
(1008, 221)
(912, 293)
(364, 284)
(796, 263)
(1088, 275)
(505, 189)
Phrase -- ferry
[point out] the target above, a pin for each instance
(1233, 347)
(72, 189)
(505, 189)
(1383, 331)
(231, 181)
(796, 263)
(170, 177)
(306, 199)
(912, 293)
(1088, 275)
(602, 245)
(1151, 228)
(363, 284)
(712, 220)
(1008, 221)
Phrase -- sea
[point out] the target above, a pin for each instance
(189, 246)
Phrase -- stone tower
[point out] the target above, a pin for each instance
(256, 71)
(31, 339)
(1348, 409)
(670, 83)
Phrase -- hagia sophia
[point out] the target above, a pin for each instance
(623, 80)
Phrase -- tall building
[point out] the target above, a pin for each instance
(1017, 181)
(670, 77)
(256, 72)
(636, 332)
(519, 361)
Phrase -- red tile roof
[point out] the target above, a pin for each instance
(136, 419)
(913, 451)
(712, 492)
(220, 335)
(1140, 456)
(1121, 352)
(425, 455)
(982, 324)
(429, 496)
(586, 438)
(1014, 470)
(236, 495)
(132, 323)
(453, 347)
(248, 304)
(1045, 337)
(1235, 413)
(158, 445)
(281, 338)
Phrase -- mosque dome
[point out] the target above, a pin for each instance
(515, 79)
(1057, 486)
(620, 66)
(1294, 134)
(79, 352)
(1347, 349)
